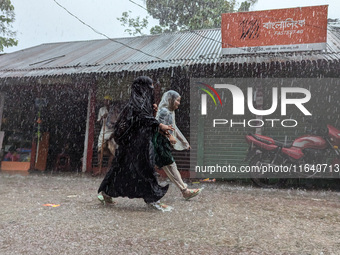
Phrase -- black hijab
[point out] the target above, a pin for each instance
(142, 96)
(138, 107)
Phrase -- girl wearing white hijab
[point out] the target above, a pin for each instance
(163, 143)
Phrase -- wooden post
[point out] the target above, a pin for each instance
(89, 135)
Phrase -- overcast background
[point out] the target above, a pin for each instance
(43, 21)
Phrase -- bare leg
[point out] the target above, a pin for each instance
(112, 146)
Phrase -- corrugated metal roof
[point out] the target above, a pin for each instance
(162, 51)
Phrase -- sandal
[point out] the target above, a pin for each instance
(106, 199)
(191, 193)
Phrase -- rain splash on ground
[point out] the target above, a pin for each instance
(225, 219)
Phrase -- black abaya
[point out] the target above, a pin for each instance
(132, 171)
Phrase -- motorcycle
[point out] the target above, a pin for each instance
(314, 155)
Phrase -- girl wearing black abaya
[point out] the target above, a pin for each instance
(132, 172)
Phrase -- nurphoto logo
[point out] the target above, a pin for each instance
(204, 97)
(221, 98)
(238, 99)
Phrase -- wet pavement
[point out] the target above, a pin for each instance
(225, 219)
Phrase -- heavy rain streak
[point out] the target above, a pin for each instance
(169, 127)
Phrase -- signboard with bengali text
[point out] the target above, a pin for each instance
(282, 30)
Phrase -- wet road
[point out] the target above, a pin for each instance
(224, 219)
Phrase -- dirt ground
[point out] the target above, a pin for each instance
(225, 219)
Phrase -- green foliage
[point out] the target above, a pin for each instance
(137, 23)
(244, 7)
(181, 15)
(7, 17)
(157, 30)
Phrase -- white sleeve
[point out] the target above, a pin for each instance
(101, 113)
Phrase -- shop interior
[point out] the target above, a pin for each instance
(47, 124)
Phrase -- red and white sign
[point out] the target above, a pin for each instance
(283, 30)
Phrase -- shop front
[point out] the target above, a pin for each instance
(43, 128)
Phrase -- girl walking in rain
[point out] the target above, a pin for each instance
(163, 142)
(132, 172)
